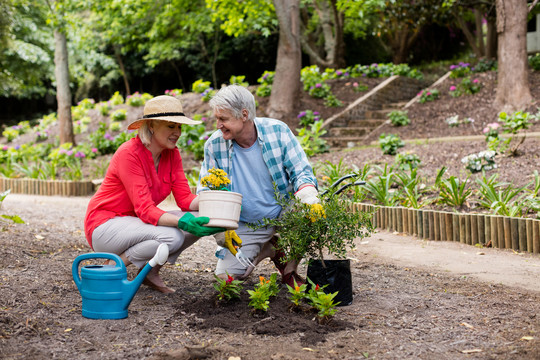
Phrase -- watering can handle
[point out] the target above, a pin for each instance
(75, 267)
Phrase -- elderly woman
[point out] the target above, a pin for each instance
(123, 217)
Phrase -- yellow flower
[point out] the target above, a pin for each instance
(216, 179)
(316, 212)
(261, 279)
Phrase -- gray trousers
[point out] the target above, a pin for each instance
(138, 240)
(252, 243)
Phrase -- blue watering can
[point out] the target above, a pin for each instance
(106, 292)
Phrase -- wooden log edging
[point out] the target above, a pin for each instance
(47, 187)
(519, 234)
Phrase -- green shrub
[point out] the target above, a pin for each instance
(460, 70)
(483, 161)
(266, 81)
(199, 86)
(308, 117)
(119, 115)
(116, 99)
(399, 118)
(311, 139)
(390, 143)
(428, 95)
(534, 61)
(238, 80)
(135, 100)
(173, 92)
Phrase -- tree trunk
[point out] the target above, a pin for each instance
(286, 86)
(479, 31)
(63, 92)
(491, 40)
(331, 28)
(122, 69)
(513, 92)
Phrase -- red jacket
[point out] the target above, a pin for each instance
(132, 187)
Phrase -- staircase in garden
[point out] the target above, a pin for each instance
(351, 126)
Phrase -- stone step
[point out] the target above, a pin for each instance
(343, 141)
(366, 123)
(377, 114)
(394, 106)
(348, 131)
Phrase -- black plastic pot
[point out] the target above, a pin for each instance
(337, 275)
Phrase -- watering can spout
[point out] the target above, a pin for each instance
(162, 253)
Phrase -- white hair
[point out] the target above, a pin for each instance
(144, 133)
(234, 98)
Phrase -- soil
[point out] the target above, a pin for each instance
(412, 298)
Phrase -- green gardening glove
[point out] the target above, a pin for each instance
(195, 225)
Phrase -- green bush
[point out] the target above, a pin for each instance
(199, 86)
(119, 115)
(428, 95)
(390, 143)
(116, 99)
(534, 61)
(399, 118)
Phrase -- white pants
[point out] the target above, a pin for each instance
(138, 240)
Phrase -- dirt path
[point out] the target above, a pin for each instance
(494, 266)
(412, 299)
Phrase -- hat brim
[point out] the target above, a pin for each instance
(176, 119)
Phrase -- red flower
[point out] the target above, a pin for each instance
(317, 287)
(229, 279)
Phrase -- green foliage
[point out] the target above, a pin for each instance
(266, 80)
(332, 101)
(321, 301)
(407, 160)
(514, 124)
(466, 87)
(398, 118)
(379, 187)
(390, 143)
(262, 291)
(411, 188)
(297, 293)
(116, 99)
(501, 197)
(208, 94)
(228, 289)
(428, 95)
(384, 70)
(199, 86)
(485, 65)
(454, 192)
(104, 108)
(240, 17)
(194, 137)
(311, 139)
(534, 61)
(173, 92)
(119, 115)
(137, 99)
(104, 142)
(238, 80)
(306, 231)
(308, 117)
(460, 70)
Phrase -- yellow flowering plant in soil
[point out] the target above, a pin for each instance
(310, 231)
(262, 291)
(216, 179)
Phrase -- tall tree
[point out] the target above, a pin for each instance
(513, 91)
(322, 33)
(470, 16)
(289, 59)
(63, 91)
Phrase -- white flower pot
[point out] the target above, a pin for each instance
(222, 207)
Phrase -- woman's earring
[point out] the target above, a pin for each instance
(152, 132)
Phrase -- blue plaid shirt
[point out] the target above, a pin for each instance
(286, 160)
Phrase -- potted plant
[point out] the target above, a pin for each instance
(307, 232)
(218, 203)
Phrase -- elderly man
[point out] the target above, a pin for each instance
(256, 153)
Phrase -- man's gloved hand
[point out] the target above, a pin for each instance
(195, 225)
(308, 195)
(229, 240)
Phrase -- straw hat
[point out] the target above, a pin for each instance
(163, 107)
